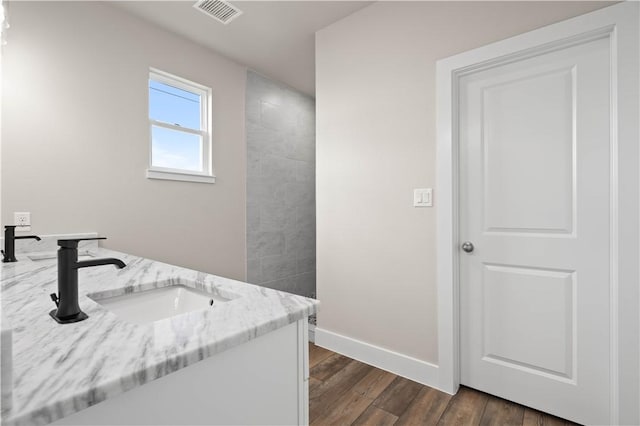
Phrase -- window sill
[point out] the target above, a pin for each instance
(185, 177)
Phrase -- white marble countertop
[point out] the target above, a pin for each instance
(61, 369)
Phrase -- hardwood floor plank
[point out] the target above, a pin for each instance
(537, 418)
(313, 385)
(345, 411)
(426, 408)
(465, 408)
(330, 366)
(374, 383)
(343, 391)
(374, 416)
(502, 412)
(344, 379)
(397, 396)
(317, 355)
(324, 396)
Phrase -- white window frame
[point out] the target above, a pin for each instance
(167, 173)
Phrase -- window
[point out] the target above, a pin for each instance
(179, 123)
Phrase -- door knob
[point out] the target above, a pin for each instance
(467, 246)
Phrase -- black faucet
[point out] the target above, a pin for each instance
(66, 300)
(9, 252)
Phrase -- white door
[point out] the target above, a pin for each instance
(534, 202)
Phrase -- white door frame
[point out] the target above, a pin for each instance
(618, 23)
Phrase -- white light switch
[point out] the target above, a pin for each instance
(422, 197)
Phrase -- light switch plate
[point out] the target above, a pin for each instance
(422, 197)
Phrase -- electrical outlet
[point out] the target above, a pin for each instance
(22, 220)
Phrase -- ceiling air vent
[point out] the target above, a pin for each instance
(219, 10)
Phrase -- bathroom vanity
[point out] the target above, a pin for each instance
(162, 345)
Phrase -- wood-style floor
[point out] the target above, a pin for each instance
(343, 391)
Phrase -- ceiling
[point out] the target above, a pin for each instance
(275, 38)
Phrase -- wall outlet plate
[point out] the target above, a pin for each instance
(22, 220)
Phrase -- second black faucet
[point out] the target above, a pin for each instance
(9, 252)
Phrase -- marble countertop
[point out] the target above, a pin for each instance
(61, 369)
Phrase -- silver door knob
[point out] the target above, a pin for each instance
(467, 246)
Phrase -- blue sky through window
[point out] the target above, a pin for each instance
(176, 150)
(171, 148)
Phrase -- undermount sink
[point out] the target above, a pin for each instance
(144, 307)
(54, 255)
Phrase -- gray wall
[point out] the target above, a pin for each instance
(280, 125)
(75, 136)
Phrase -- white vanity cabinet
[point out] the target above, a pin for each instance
(243, 361)
(263, 381)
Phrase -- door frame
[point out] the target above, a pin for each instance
(618, 23)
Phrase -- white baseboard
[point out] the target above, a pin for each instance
(411, 368)
(312, 333)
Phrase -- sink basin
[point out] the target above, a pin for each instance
(144, 307)
(54, 255)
